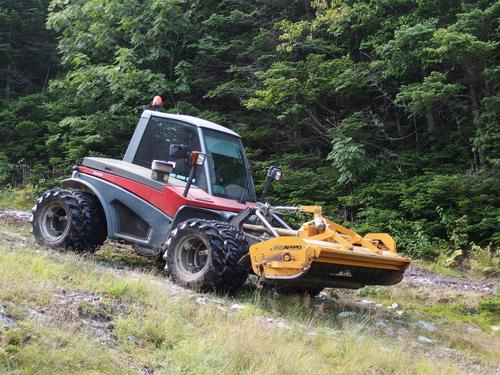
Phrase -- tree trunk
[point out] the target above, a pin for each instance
(480, 155)
(7, 83)
(431, 128)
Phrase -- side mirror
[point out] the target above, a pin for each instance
(196, 158)
(178, 152)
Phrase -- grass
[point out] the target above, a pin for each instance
(483, 262)
(91, 320)
(20, 199)
(124, 256)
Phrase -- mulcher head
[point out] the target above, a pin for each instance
(325, 254)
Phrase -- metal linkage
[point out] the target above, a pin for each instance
(286, 208)
(266, 223)
(262, 229)
(280, 220)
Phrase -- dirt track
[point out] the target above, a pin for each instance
(421, 277)
(14, 216)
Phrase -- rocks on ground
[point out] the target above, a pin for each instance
(6, 323)
(14, 216)
(420, 276)
(425, 340)
(345, 314)
(422, 324)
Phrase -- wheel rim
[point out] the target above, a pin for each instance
(54, 222)
(192, 255)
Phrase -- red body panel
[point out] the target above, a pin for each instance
(170, 199)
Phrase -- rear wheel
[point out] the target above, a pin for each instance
(203, 254)
(70, 219)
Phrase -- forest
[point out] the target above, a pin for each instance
(385, 112)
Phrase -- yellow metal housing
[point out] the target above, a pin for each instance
(331, 250)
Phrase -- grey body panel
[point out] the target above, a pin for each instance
(124, 169)
(205, 165)
(130, 171)
(110, 195)
(200, 123)
(160, 224)
(136, 139)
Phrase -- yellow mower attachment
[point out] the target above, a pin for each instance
(325, 254)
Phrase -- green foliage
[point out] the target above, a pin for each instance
(422, 211)
(385, 112)
(18, 198)
(419, 97)
(23, 132)
(27, 50)
(491, 305)
(348, 160)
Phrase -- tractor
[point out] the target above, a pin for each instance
(184, 194)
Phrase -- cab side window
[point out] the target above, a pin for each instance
(155, 144)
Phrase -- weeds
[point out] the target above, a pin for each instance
(21, 199)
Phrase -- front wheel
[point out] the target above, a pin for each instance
(204, 254)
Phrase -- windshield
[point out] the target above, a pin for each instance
(230, 173)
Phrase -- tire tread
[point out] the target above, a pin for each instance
(228, 245)
(88, 226)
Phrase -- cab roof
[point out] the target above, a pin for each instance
(191, 120)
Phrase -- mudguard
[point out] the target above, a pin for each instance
(128, 217)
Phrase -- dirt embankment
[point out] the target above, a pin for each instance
(14, 216)
(423, 277)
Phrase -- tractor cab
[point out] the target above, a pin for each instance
(181, 146)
